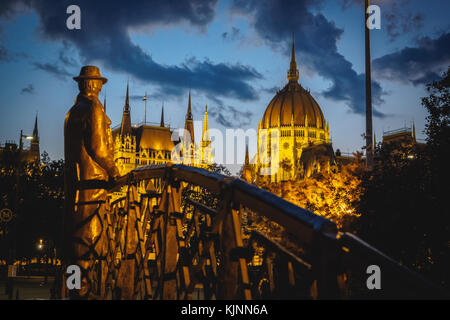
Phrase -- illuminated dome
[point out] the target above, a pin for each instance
(293, 136)
(293, 103)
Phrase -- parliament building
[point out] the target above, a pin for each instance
(304, 146)
(146, 144)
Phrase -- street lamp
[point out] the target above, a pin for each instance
(40, 244)
(27, 137)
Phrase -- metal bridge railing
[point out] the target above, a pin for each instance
(180, 232)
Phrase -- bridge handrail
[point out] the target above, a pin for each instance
(298, 221)
(307, 227)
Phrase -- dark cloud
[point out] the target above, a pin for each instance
(398, 21)
(28, 89)
(4, 55)
(54, 69)
(417, 65)
(228, 116)
(65, 55)
(232, 35)
(271, 90)
(104, 37)
(347, 3)
(316, 45)
(9, 8)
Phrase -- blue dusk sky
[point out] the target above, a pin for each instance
(232, 55)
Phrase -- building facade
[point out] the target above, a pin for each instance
(302, 137)
(145, 144)
(32, 154)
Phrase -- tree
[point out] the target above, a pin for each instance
(35, 191)
(333, 195)
(438, 137)
(202, 195)
(286, 165)
(404, 205)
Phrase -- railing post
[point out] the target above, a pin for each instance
(127, 268)
(234, 267)
(170, 205)
(326, 266)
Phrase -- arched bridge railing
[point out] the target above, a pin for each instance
(180, 232)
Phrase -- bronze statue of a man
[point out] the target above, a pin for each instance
(89, 170)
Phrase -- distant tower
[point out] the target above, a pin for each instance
(34, 145)
(247, 158)
(162, 116)
(125, 141)
(206, 141)
(293, 73)
(125, 128)
(188, 136)
(374, 141)
(246, 169)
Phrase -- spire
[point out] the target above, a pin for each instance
(35, 130)
(205, 133)
(189, 129)
(247, 160)
(162, 116)
(34, 144)
(293, 71)
(374, 141)
(21, 141)
(206, 140)
(189, 111)
(127, 101)
(125, 128)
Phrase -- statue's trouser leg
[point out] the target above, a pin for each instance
(89, 240)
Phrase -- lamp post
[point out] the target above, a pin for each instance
(145, 112)
(369, 139)
(23, 136)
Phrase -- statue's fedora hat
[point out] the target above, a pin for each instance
(90, 72)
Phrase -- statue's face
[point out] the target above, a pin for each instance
(90, 86)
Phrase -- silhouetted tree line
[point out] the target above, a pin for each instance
(35, 193)
(405, 204)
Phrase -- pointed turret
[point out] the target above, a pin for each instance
(188, 136)
(205, 133)
(247, 158)
(189, 111)
(125, 128)
(35, 130)
(162, 116)
(127, 99)
(34, 144)
(20, 140)
(246, 169)
(374, 141)
(189, 125)
(206, 140)
(293, 71)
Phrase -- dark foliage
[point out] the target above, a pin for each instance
(35, 193)
(405, 203)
